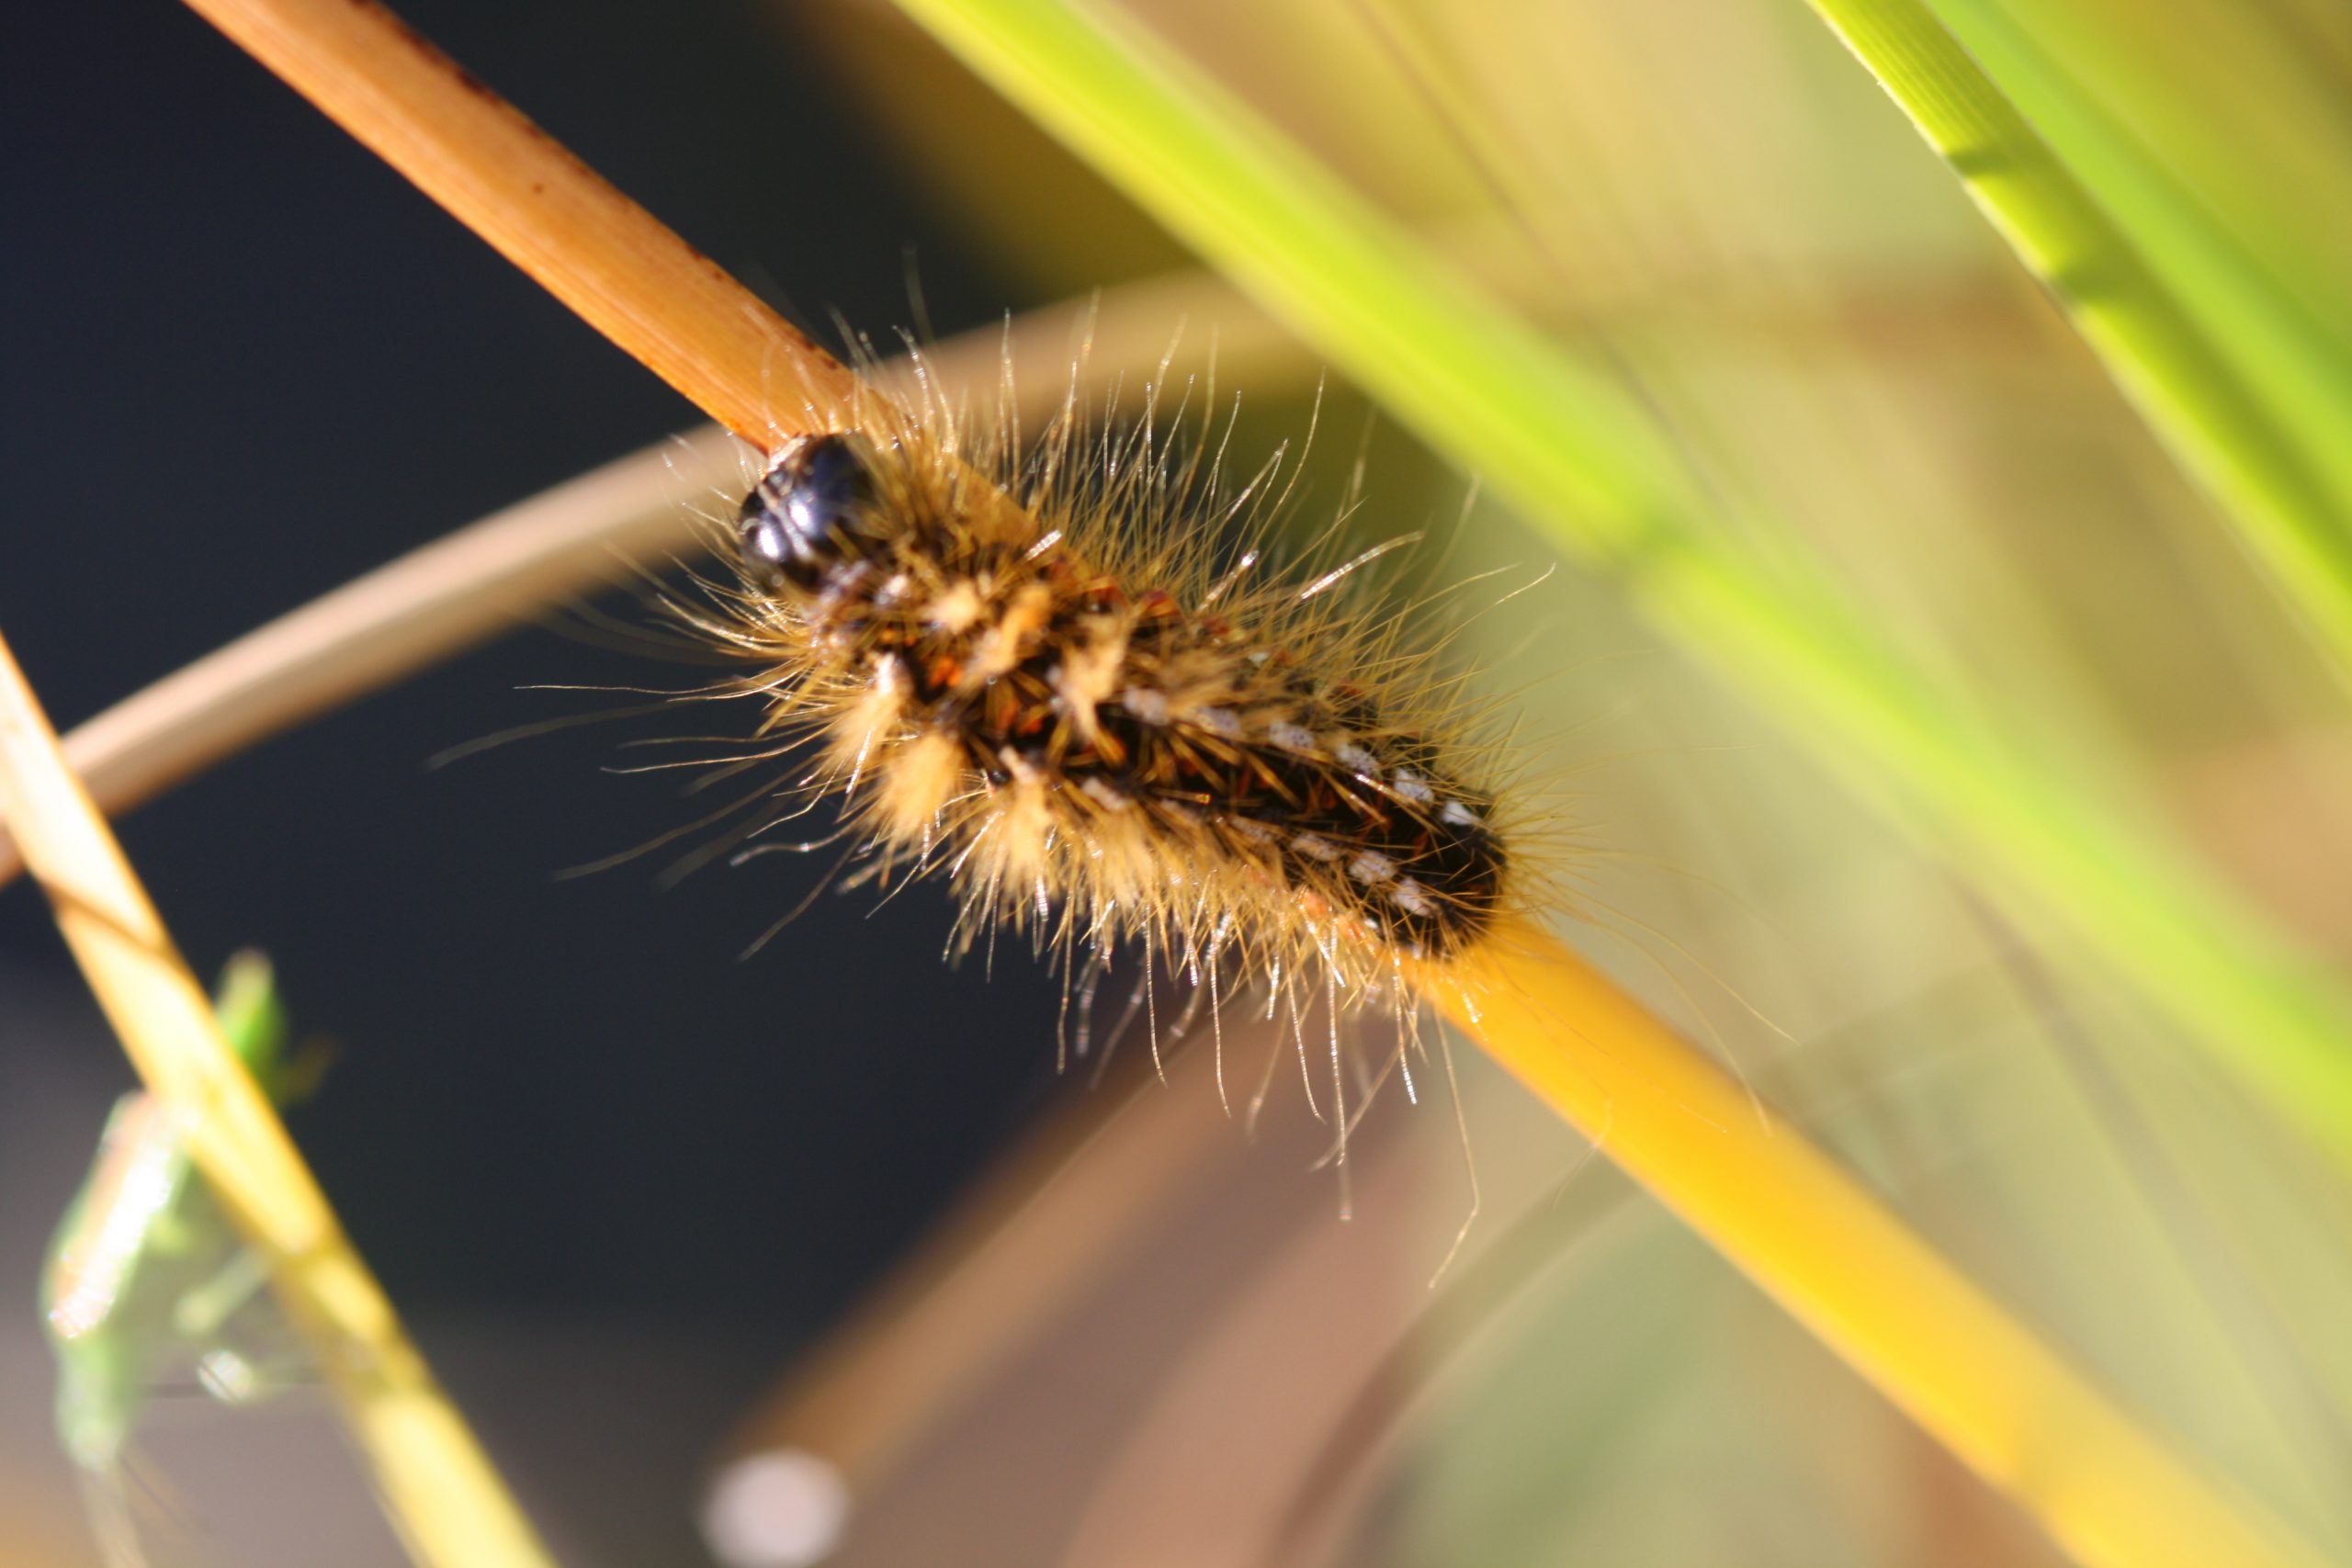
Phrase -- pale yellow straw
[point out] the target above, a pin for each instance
(447, 1501)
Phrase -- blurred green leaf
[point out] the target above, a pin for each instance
(2248, 388)
(1575, 451)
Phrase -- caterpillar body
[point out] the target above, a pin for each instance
(1102, 726)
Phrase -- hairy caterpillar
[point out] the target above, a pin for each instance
(1066, 678)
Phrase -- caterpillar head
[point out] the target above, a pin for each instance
(809, 513)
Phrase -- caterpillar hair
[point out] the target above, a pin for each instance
(1069, 676)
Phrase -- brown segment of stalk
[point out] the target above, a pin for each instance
(621, 270)
(663, 302)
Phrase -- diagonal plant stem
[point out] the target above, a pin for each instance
(381, 627)
(1574, 452)
(545, 210)
(1775, 1205)
(1843, 1265)
(437, 1483)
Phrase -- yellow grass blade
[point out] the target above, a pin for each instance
(446, 1499)
(1804, 1230)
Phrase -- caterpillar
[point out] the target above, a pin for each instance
(1068, 679)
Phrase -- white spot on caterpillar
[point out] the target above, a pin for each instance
(1352, 754)
(1023, 770)
(1412, 897)
(1219, 722)
(1015, 635)
(958, 609)
(1088, 674)
(1372, 868)
(1105, 793)
(1291, 737)
(1407, 785)
(1150, 705)
(1315, 848)
(1455, 814)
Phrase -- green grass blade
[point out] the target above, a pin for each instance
(2250, 393)
(1569, 446)
(2276, 301)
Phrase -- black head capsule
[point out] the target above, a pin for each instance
(801, 520)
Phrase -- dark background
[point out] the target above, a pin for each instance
(244, 363)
